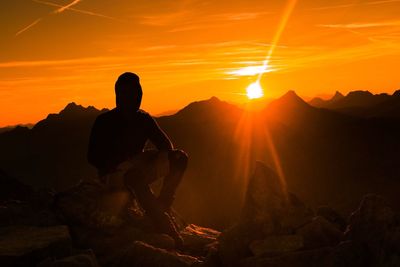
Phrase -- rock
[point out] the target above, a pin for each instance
(350, 254)
(320, 233)
(276, 244)
(27, 246)
(142, 254)
(294, 215)
(266, 196)
(22, 205)
(198, 239)
(87, 259)
(269, 204)
(233, 243)
(310, 258)
(332, 216)
(371, 222)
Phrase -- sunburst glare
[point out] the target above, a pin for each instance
(254, 90)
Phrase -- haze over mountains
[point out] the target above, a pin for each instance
(330, 152)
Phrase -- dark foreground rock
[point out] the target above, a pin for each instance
(276, 229)
(27, 245)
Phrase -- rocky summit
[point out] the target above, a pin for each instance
(276, 228)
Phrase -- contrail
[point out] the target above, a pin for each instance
(59, 10)
(75, 10)
(63, 8)
(29, 26)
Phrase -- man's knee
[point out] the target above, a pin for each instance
(178, 160)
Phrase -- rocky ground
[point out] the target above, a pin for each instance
(39, 228)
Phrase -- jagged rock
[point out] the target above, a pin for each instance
(142, 254)
(375, 225)
(350, 254)
(269, 210)
(332, 216)
(371, 221)
(310, 258)
(276, 244)
(22, 205)
(295, 215)
(266, 196)
(92, 225)
(27, 246)
(319, 233)
(234, 243)
(198, 239)
(268, 203)
(87, 259)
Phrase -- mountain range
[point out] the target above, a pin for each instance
(332, 151)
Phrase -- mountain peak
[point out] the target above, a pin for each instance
(359, 93)
(289, 101)
(338, 95)
(291, 97)
(208, 106)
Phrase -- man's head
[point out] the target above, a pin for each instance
(128, 91)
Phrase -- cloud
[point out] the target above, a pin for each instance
(357, 4)
(62, 62)
(361, 25)
(250, 70)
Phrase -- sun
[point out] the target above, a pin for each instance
(254, 90)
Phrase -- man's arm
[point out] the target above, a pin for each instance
(158, 137)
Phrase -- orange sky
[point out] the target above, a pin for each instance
(55, 52)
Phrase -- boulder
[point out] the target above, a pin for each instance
(333, 216)
(233, 243)
(350, 254)
(87, 259)
(198, 240)
(266, 196)
(268, 203)
(28, 245)
(310, 258)
(371, 222)
(142, 254)
(320, 233)
(276, 244)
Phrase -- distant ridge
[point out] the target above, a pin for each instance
(362, 104)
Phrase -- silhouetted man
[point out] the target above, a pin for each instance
(116, 149)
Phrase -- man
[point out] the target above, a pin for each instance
(116, 149)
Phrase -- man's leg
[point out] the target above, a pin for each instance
(177, 165)
(138, 181)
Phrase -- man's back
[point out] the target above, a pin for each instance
(116, 138)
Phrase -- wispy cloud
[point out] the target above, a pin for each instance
(250, 70)
(357, 4)
(188, 20)
(62, 62)
(361, 25)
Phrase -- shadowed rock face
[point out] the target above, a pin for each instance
(86, 235)
(279, 230)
